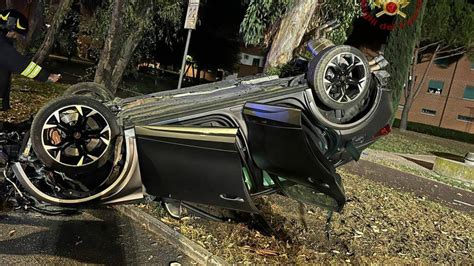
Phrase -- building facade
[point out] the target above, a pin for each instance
(446, 98)
(252, 61)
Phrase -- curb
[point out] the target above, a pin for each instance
(184, 244)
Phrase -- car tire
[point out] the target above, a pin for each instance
(74, 134)
(90, 89)
(340, 77)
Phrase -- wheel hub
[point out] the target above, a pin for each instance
(76, 135)
(345, 78)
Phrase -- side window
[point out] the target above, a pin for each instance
(256, 62)
(428, 112)
(442, 62)
(466, 118)
(435, 86)
(469, 93)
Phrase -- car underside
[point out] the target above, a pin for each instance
(218, 145)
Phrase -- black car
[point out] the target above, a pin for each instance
(221, 144)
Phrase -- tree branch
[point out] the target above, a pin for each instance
(425, 74)
(450, 51)
(421, 49)
(451, 55)
(47, 45)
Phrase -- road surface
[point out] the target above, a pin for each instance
(450, 196)
(94, 237)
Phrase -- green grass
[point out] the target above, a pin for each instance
(421, 144)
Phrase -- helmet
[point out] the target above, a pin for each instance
(13, 20)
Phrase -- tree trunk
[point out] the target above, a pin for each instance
(427, 70)
(120, 45)
(292, 29)
(50, 37)
(405, 112)
(126, 54)
(103, 73)
(412, 91)
(35, 20)
(410, 84)
(35, 10)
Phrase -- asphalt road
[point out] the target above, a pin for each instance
(452, 197)
(94, 237)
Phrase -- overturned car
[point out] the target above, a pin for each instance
(220, 145)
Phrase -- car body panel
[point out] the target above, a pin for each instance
(192, 145)
(126, 187)
(199, 165)
(280, 146)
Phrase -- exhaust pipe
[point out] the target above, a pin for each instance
(378, 63)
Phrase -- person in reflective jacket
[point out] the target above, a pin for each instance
(14, 26)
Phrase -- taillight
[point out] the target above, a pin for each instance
(383, 131)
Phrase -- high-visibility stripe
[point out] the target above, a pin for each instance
(18, 25)
(35, 72)
(28, 69)
(5, 17)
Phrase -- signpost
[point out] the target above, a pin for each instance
(190, 25)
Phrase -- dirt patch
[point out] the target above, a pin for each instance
(378, 225)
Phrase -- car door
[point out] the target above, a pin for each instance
(282, 143)
(193, 164)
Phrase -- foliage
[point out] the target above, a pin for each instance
(345, 12)
(98, 25)
(399, 52)
(162, 28)
(260, 16)
(163, 34)
(442, 37)
(273, 71)
(449, 21)
(67, 38)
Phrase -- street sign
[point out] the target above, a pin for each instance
(192, 15)
(191, 19)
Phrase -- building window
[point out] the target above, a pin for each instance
(256, 62)
(469, 93)
(435, 86)
(428, 112)
(444, 63)
(466, 118)
(246, 56)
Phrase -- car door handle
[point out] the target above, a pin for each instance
(237, 199)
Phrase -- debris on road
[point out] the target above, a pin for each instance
(379, 225)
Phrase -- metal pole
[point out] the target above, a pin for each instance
(183, 67)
